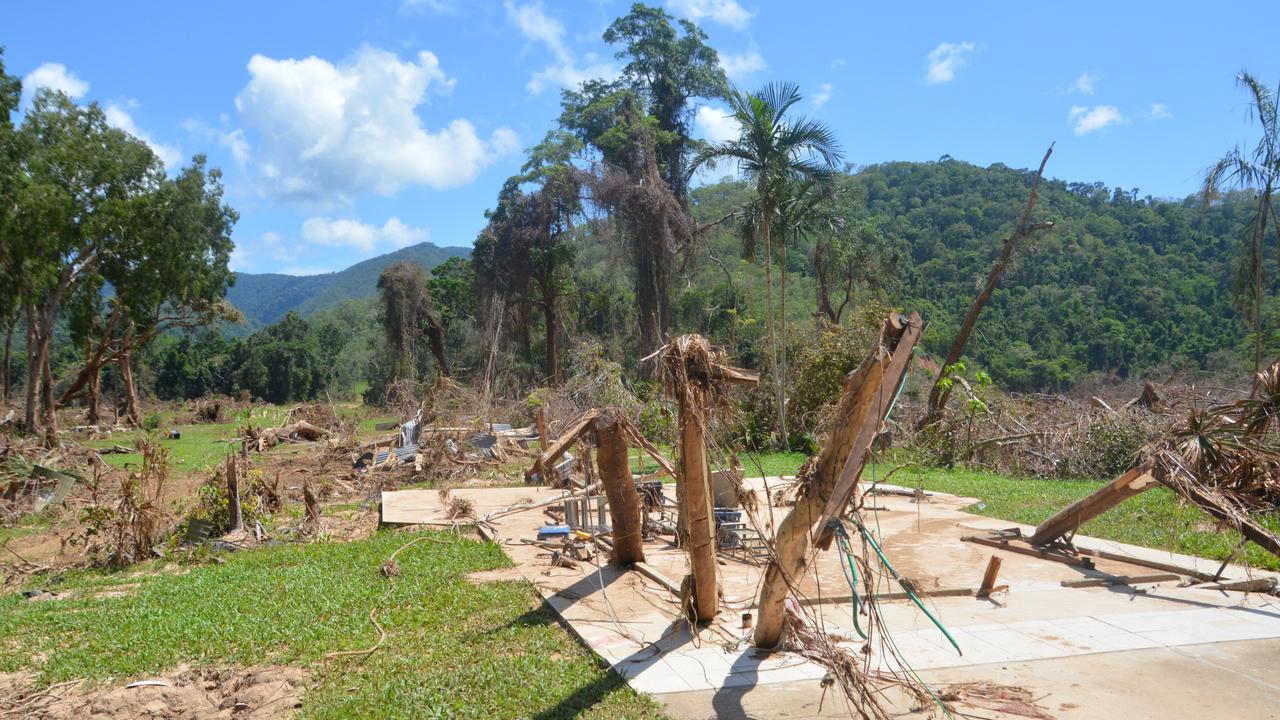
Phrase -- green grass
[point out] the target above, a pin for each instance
(200, 445)
(453, 649)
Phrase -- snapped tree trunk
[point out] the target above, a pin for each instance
(624, 501)
(695, 478)
(1070, 518)
(793, 541)
(939, 394)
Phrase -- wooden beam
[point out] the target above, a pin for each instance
(1113, 580)
(1017, 547)
(567, 438)
(1092, 505)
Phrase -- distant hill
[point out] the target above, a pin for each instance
(265, 297)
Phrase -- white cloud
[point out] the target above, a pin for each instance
(1159, 111)
(838, 63)
(233, 140)
(567, 71)
(361, 236)
(119, 117)
(326, 132)
(821, 96)
(742, 64)
(714, 124)
(945, 59)
(1088, 119)
(724, 12)
(1083, 84)
(54, 76)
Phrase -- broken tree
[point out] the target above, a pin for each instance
(694, 374)
(1021, 232)
(827, 485)
(609, 429)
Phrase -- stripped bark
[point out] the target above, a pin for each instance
(861, 397)
(624, 503)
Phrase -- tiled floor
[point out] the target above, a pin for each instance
(676, 666)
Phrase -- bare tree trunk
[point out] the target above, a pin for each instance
(553, 351)
(782, 355)
(697, 509)
(770, 320)
(1070, 518)
(33, 369)
(435, 339)
(938, 395)
(94, 387)
(125, 363)
(8, 357)
(48, 410)
(861, 396)
(1259, 243)
(624, 501)
(234, 516)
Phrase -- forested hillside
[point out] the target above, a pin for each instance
(1121, 284)
(265, 298)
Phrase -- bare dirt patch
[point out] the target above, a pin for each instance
(264, 693)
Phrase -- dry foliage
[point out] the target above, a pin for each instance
(125, 531)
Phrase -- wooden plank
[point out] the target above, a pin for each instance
(562, 443)
(1021, 549)
(1092, 505)
(1112, 580)
(856, 460)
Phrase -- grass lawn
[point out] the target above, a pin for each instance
(453, 649)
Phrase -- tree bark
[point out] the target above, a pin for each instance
(624, 501)
(8, 358)
(125, 363)
(699, 520)
(93, 395)
(1092, 505)
(938, 395)
(234, 516)
(774, 368)
(860, 397)
(33, 370)
(553, 351)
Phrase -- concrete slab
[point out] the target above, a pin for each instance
(1048, 638)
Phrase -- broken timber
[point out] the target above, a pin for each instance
(1092, 505)
(863, 402)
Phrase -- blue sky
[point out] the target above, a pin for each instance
(348, 130)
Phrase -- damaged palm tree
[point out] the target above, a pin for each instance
(695, 374)
(827, 483)
(1224, 459)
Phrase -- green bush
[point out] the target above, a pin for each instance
(152, 421)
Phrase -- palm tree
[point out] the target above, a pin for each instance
(770, 151)
(1259, 169)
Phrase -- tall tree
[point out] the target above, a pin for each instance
(525, 253)
(668, 68)
(772, 150)
(81, 178)
(1258, 168)
(167, 272)
(10, 274)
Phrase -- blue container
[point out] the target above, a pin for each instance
(727, 515)
(552, 532)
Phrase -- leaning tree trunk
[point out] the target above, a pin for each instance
(624, 501)
(938, 395)
(93, 394)
(793, 541)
